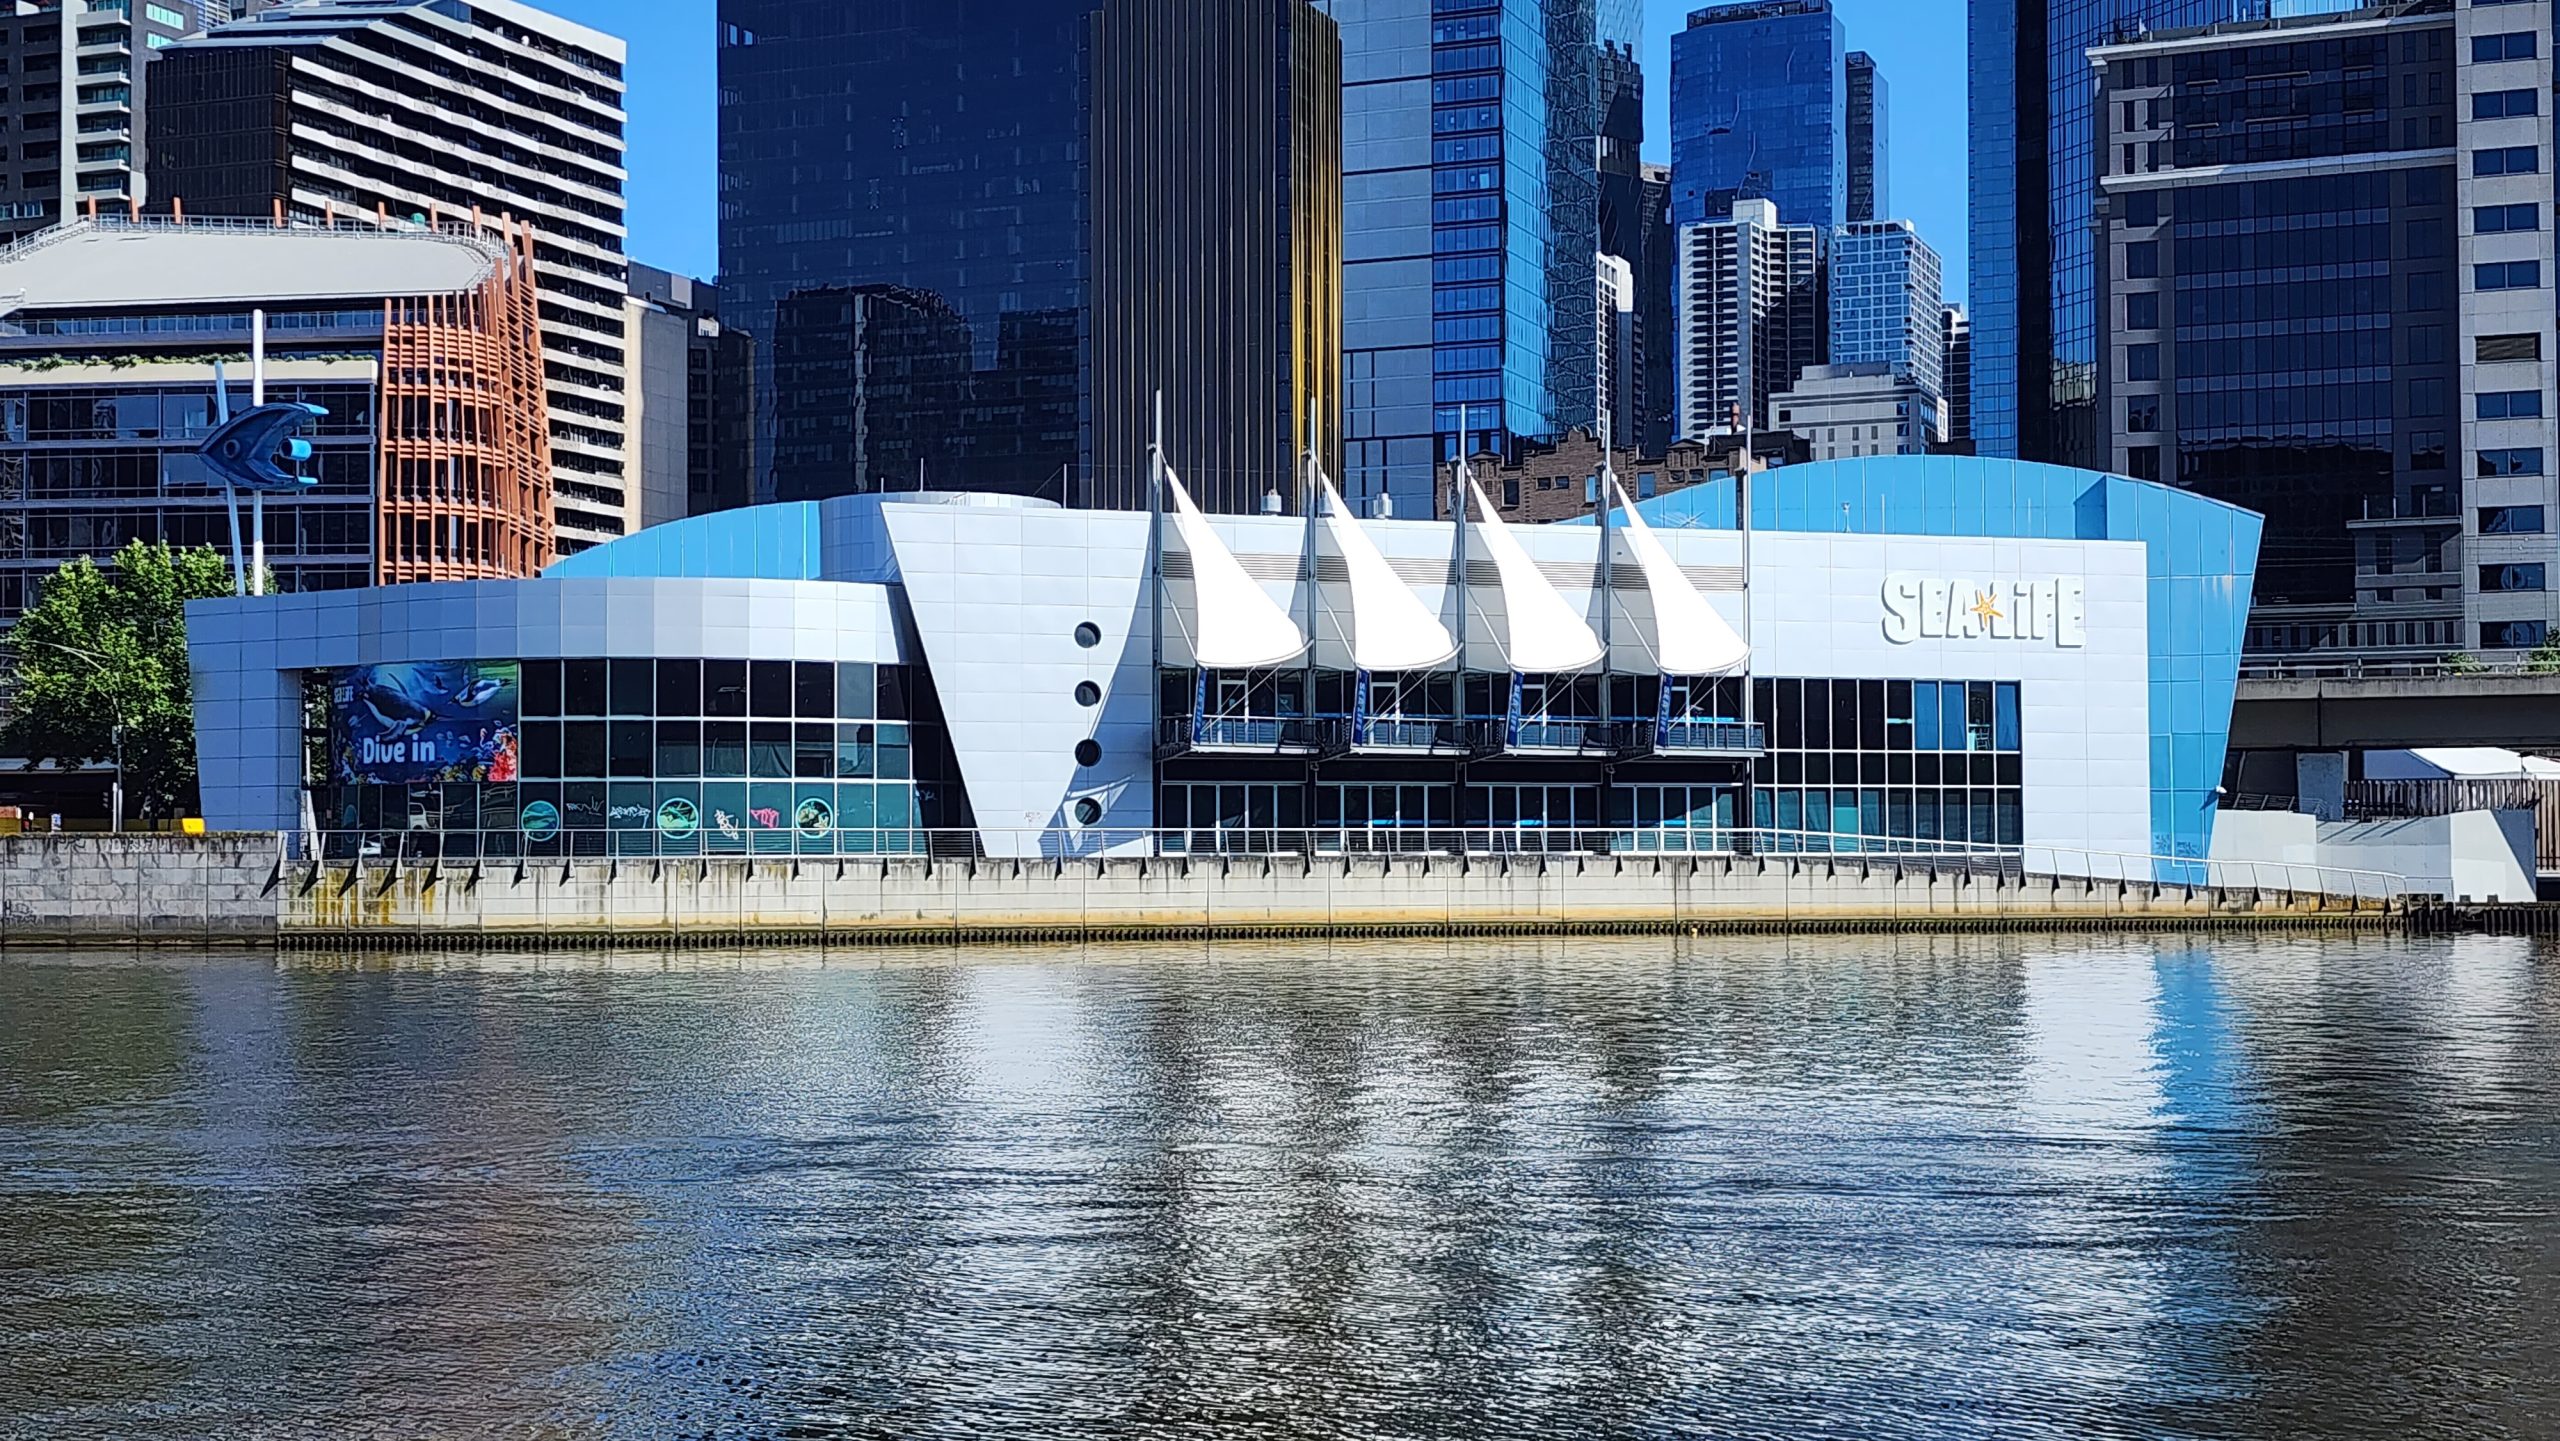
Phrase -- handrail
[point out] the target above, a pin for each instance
(783, 842)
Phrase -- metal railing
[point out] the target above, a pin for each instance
(420, 847)
(1175, 734)
(2420, 668)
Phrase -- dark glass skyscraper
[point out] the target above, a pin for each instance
(1214, 134)
(934, 147)
(1760, 111)
(2031, 293)
(1869, 102)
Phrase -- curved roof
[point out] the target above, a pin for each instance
(86, 264)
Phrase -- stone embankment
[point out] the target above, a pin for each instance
(193, 890)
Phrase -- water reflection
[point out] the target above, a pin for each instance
(1893, 1186)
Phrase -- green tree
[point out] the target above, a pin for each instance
(107, 647)
(2544, 659)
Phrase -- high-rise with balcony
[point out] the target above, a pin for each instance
(1470, 199)
(394, 112)
(1750, 316)
(1760, 111)
(73, 128)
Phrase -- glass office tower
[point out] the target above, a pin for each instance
(1760, 111)
(1869, 147)
(1470, 207)
(2031, 294)
(935, 148)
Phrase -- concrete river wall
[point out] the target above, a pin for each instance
(191, 890)
(587, 903)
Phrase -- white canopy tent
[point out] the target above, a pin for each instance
(1391, 629)
(1233, 624)
(1690, 638)
(1543, 633)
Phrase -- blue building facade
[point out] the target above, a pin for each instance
(2033, 135)
(1470, 230)
(1886, 305)
(1760, 111)
(2199, 557)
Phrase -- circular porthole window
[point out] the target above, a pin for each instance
(1088, 635)
(1087, 810)
(1088, 753)
(1088, 694)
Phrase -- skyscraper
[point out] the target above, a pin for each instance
(871, 388)
(1750, 315)
(1635, 226)
(76, 112)
(1760, 111)
(2343, 325)
(1469, 204)
(2031, 138)
(936, 148)
(690, 404)
(1215, 243)
(1869, 102)
(1958, 333)
(1885, 303)
(498, 108)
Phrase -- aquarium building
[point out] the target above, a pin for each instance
(1906, 655)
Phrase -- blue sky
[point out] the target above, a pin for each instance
(1919, 44)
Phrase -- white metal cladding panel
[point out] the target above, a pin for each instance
(996, 599)
(245, 653)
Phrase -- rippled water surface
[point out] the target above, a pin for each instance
(1856, 1187)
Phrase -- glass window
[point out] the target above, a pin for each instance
(724, 748)
(679, 820)
(2511, 520)
(541, 679)
(891, 754)
(2142, 362)
(633, 686)
(542, 749)
(853, 690)
(2142, 260)
(853, 752)
(815, 682)
(679, 688)
(1871, 726)
(724, 817)
(769, 689)
(1951, 711)
(680, 747)
(2006, 718)
(893, 692)
(630, 748)
(724, 688)
(582, 690)
(2142, 311)
(582, 747)
(769, 749)
(1924, 701)
(814, 746)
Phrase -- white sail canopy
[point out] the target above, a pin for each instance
(1689, 637)
(1234, 624)
(1547, 637)
(1391, 629)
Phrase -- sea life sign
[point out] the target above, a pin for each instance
(2053, 610)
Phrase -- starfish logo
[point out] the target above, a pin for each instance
(1985, 609)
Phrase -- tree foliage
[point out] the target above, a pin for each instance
(107, 645)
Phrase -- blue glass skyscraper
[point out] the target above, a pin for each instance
(1470, 213)
(1760, 111)
(2032, 293)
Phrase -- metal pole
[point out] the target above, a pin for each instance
(257, 498)
(116, 819)
(1155, 599)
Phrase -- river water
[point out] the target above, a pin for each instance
(1887, 1187)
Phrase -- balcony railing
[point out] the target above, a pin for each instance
(1546, 737)
(1235, 735)
(1708, 738)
